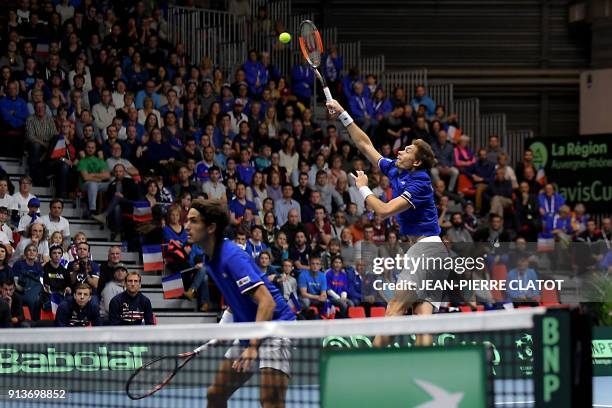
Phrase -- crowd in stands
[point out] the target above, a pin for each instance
(108, 111)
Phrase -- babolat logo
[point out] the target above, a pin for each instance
(53, 361)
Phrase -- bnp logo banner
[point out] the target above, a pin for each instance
(449, 377)
(579, 166)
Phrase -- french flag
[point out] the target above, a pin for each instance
(142, 211)
(152, 258)
(59, 150)
(293, 303)
(173, 286)
(56, 299)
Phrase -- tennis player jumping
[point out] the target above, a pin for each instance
(413, 203)
(252, 298)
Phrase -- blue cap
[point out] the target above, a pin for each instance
(34, 202)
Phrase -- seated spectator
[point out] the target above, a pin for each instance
(328, 192)
(13, 304)
(286, 281)
(527, 213)
(78, 310)
(313, 286)
(561, 225)
(31, 217)
(482, 173)
(184, 184)
(6, 233)
(94, 176)
(56, 279)
(254, 245)
(213, 188)
(337, 286)
(238, 205)
(245, 169)
(28, 274)
(371, 295)
(54, 220)
(131, 307)
(458, 233)
(549, 204)
(518, 281)
(116, 157)
(148, 93)
(299, 252)
(121, 194)
(494, 232)
(445, 167)
(302, 80)
(499, 192)
(36, 234)
(112, 289)
(464, 157)
(421, 98)
(21, 199)
(84, 270)
(366, 249)
(494, 150)
(319, 229)
(104, 112)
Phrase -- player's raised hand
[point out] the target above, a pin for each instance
(361, 180)
(334, 108)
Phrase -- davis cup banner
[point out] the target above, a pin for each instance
(579, 166)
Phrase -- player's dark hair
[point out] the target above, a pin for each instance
(213, 211)
(424, 154)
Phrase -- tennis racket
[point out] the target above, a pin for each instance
(156, 374)
(311, 46)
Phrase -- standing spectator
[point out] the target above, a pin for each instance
(286, 204)
(313, 286)
(112, 289)
(302, 78)
(421, 98)
(40, 129)
(28, 275)
(94, 176)
(445, 167)
(131, 307)
(14, 111)
(78, 310)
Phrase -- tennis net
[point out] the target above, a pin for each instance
(482, 359)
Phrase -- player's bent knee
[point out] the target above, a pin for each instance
(217, 395)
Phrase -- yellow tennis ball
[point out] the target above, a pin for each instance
(284, 38)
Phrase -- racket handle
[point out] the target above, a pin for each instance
(328, 95)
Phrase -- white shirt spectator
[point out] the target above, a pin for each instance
(6, 230)
(43, 250)
(111, 162)
(20, 203)
(103, 115)
(62, 225)
(7, 201)
(213, 191)
(112, 289)
(25, 221)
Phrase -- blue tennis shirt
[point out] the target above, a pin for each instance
(415, 187)
(235, 274)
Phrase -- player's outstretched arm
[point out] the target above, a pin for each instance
(385, 210)
(361, 140)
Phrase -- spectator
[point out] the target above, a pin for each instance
(313, 286)
(337, 286)
(5, 270)
(84, 270)
(13, 304)
(482, 173)
(54, 220)
(78, 310)
(286, 204)
(319, 228)
(302, 78)
(445, 167)
(366, 249)
(36, 234)
(361, 108)
(464, 157)
(22, 198)
(421, 99)
(131, 307)
(549, 203)
(213, 188)
(288, 156)
(519, 281)
(120, 195)
(31, 217)
(40, 129)
(116, 157)
(28, 277)
(6, 200)
(14, 113)
(255, 245)
(237, 116)
(56, 279)
(184, 184)
(328, 193)
(371, 295)
(499, 192)
(494, 232)
(287, 282)
(112, 289)
(458, 233)
(238, 205)
(502, 163)
(94, 176)
(293, 226)
(494, 150)
(527, 212)
(104, 112)
(148, 92)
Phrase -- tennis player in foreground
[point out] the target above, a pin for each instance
(252, 298)
(413, 204)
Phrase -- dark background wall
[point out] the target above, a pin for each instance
(520, 57)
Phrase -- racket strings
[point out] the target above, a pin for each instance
(153, 376)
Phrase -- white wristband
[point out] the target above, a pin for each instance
(345, 118)
(365, 192)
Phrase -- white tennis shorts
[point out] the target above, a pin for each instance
(274, 352)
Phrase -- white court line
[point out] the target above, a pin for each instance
(601, 406)
(516, 403)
